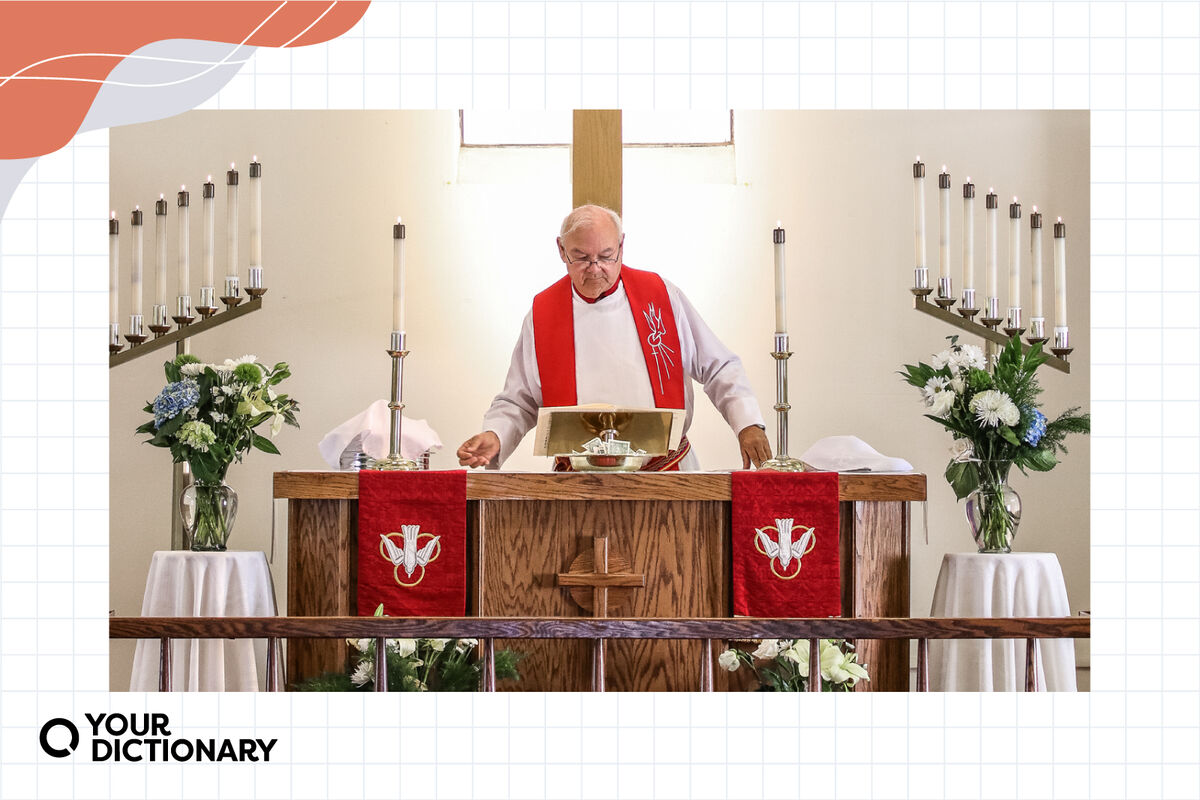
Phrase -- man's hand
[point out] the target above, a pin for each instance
(754, 444)
(480, 449)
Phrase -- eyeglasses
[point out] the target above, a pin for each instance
(583, 263)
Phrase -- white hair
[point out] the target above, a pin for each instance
(587, 215)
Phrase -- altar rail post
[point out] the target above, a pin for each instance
(487, 629)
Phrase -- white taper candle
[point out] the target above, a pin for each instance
(114, 268)
(160, 251)
(255, 213)
(1060, 274)
(209, 224)
(779, 238)
(1035, 259)
(231, 222)
(183, 203)
(135, 274)
(944, 226)
(1014, 254)
(918, 214)
(398, 276)
(990, 230)
(968, 242)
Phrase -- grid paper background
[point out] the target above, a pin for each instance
(1136, 734)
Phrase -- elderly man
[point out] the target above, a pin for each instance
(607, 333)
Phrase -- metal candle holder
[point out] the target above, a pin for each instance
(256, 289)
(395, 460)
(782, 462)
(158, 320)
(114, 338)
(137, 330)
(1037, 331)
(208, 302)
(945, 293)
(183, 310)
(1014, 327)
(1062, 342)
(966, 307)
(232, 294)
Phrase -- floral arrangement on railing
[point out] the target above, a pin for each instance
(996, 422)
(416, 665)
(782, 665)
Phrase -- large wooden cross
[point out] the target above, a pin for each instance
(596, 161)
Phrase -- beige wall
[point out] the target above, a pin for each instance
(480, 244)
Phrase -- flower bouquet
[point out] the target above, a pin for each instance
(781, 665)
(207, 415)
(996, 422)
(415, 665)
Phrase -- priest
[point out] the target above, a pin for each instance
(608, 333)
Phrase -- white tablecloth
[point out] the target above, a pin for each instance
(1012, 585)
(186, 584)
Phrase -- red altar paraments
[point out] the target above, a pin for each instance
(412, 543)
(785, 544)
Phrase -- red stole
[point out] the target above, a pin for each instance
(554, 339)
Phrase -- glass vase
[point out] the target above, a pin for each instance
(994, 509)
(208, 509)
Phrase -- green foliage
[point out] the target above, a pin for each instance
(950, 387)
(231, 401)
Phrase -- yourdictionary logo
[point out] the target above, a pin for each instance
(145, 737)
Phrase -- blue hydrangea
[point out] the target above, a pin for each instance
(1036, 429)
(173, 399)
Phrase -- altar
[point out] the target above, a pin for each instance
(533, 540)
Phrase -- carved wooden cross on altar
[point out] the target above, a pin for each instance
(600, 571)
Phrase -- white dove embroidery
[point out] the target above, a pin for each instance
(662, 353)
(784, 548)
(410, 557)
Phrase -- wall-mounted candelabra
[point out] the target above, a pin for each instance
(990, 322)
(185, 314)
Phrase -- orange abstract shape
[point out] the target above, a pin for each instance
(54, 56)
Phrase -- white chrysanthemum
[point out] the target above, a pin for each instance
(364, 672)
(192, 369)
(941, 403)
(973, 356)
(962, 450)
(994, 407)
(768, 649)
(729, 661)
(941, 359)
(932, 386)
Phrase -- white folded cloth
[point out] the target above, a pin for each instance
(370, 432)
(850, 454)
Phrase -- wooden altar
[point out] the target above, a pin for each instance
(533, 540)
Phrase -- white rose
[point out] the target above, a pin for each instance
(768, 649)
(941, 403)
(962, 450)
(729, 661)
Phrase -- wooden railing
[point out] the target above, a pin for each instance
(487, 629)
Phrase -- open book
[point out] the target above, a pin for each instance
(564, 429)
